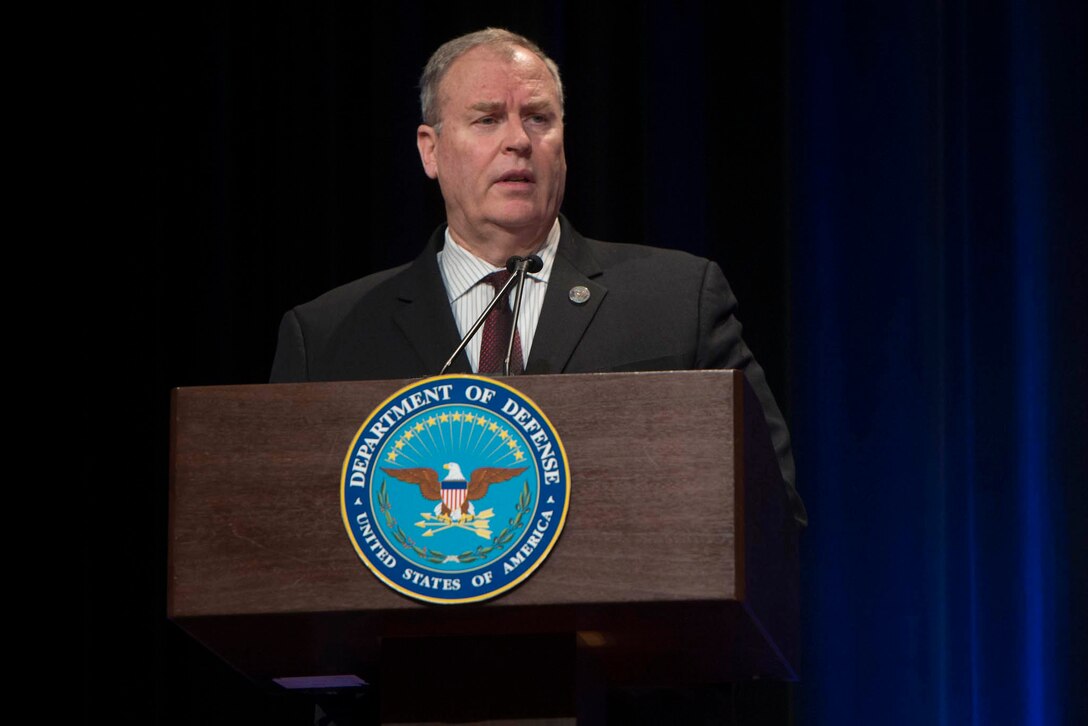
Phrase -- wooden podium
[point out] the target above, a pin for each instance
(678, 564)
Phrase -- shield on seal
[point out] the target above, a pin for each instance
(454, 490)
(453, 495)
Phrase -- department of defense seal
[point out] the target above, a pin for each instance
(455, 489)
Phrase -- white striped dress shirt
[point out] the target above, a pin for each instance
(463, 274)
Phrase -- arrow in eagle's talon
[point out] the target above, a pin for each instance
(430, 532)
(435, 524)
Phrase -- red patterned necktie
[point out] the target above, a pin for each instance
(497, 333)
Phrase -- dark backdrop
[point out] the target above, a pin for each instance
(896, 193)
(275, 159)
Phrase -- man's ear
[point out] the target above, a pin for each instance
(427, 143)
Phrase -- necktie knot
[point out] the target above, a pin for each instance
(497, 279)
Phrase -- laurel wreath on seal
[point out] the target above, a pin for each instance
(468, 556)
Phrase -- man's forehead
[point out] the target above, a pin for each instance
(503, 56)
(487, 74)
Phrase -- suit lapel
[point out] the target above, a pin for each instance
(426, 319)
(562, 322)
(424, 315)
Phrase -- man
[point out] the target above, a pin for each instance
(493, 138)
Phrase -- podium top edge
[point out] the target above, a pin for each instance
(508, 380)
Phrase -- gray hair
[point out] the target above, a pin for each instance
(440, 62)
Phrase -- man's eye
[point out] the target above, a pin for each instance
(487, 121)
(538, 118)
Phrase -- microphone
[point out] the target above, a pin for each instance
(533, 263)
(519, 266)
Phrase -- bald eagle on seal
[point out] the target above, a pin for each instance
(453, 494)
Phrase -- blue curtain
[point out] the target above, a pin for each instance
(939, 404)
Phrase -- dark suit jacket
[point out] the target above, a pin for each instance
(649, 310)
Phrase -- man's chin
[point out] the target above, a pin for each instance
(522, 220)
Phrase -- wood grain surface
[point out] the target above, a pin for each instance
(653, 557)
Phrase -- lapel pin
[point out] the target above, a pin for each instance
(579, 294)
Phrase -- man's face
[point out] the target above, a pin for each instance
(499, 157)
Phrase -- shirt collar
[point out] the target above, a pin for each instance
(462, 270)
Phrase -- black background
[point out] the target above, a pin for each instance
(254, 156)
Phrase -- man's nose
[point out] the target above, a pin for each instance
(517, 138)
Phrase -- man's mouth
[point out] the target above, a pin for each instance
(517, 177)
